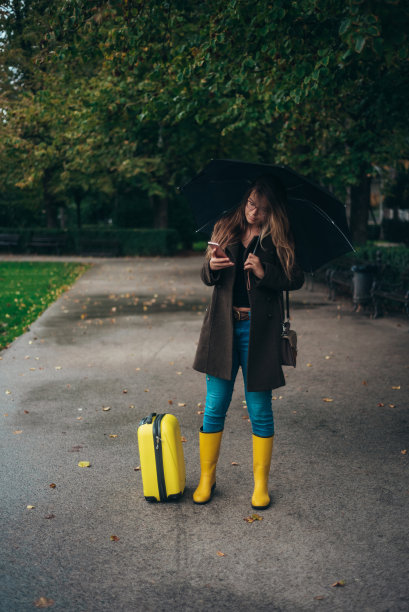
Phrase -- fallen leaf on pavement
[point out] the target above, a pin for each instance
(146, 390)
(113, 435)
(181, 404)
(53, 485)
(235, 463)
(18, 431)
(183, 439)
(327, 399)
(8, 392)
(200, 412)
(114, 538)
(319, 597)
(84, 464)
(43, 602)
(253, 517)
(381, 405)
(220, 554)
(26, 412)
(106, 408)
(170, 402)
(30, 507)
(124, 390)
(404, 452)
(137, 468)
(309, 365)
(398, 387)
(392, 405)
(338, 583)
(364, 382)
(58, 368)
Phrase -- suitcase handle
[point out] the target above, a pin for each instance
(148, 420)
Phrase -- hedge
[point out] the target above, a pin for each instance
(395, 259)
(101, 240)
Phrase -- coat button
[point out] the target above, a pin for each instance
(269, 316)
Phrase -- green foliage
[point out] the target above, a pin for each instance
(27, 289)
(117, 97)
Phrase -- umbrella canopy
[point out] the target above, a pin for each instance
(317, 218)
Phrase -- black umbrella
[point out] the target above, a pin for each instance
(317, 218)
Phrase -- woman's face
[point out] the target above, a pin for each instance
(256, 210)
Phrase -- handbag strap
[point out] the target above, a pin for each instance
(287, 303)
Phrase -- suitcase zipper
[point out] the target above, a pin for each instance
(157, 443)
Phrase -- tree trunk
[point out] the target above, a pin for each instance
(77, 199)
(160, 211)
(49, 204)
(360, 202)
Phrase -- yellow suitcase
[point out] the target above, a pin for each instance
(161, 457)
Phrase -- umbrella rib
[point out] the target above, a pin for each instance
(328, 218)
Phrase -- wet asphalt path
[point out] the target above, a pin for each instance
(124, 337)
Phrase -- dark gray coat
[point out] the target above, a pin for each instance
(215, 349)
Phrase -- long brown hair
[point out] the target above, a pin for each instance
(232, 226)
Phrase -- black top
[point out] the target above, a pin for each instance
(240, 294)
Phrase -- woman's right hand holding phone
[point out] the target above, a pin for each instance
(218, 263)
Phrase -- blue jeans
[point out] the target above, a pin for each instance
(220, 391)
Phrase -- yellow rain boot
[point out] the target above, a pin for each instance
(209, 455)
(262, 450)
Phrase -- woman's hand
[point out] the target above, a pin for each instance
(218, 263)
(254, 265)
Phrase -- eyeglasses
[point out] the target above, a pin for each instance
(261, 209)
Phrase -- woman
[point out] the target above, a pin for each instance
(243, 324)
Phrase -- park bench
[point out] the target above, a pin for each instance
(338, 279)
(40, 241)
(385, 290)
(9, 240)
(100, 247)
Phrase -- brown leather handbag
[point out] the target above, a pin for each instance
(288, 337)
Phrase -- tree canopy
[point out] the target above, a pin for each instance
(107, 99)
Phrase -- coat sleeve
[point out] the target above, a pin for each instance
(208, 276)
(276, 279)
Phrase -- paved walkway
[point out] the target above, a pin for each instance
(124, 337)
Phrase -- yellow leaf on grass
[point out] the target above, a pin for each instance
(84, 464)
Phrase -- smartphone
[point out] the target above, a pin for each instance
(219, 251)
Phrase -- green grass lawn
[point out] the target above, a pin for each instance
(27, 289)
